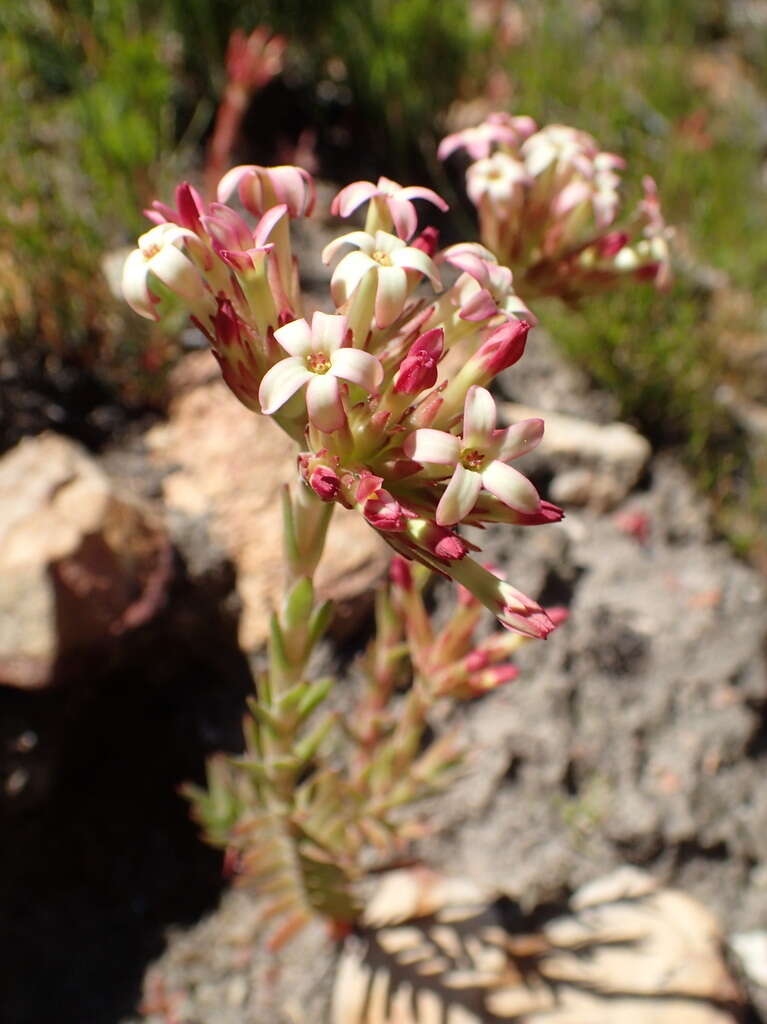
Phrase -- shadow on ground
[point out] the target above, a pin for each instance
(98, 856)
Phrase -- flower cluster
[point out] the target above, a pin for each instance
(548, 202)
(387, 395)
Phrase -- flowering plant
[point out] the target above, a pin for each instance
(387, 397)
(549, 204)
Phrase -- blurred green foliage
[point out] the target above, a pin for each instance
(86, 103)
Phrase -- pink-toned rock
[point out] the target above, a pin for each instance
(228, 465)
(79, 563)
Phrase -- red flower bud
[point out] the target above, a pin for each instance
(504, 347)
(385, 513)
(400, 574)
(325, 483)
(418, 369)
(427, 241)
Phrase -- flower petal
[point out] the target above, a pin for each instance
(295, 338)
(403, 217)
(231, 180)
(519, 438)
(362, 239)
(349, 198)
(391, 295)
(460, 496)
(134, 286)
(478, 418)
(178, 274)
(427, 445)
(348, 275)
(281, 382)
(359, 367)
(328, 332)
(510, 487)
(293, 186)
(417, 192)
(268, 223)
(479, 306)
(323, 402)
(416, 259)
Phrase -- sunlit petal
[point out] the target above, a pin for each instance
(361, 239)
(518, 439)
(478, 418)
(295, 338)
(281, 382)
(359, 367)
(328, 331)
(134, 286)
(510, 487)
(348, 275)
(323, 403)
(391, 295)
(427, 445)
(460, 496)
(416, 259)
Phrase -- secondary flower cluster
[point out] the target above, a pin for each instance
(386, 395)
(548, 201)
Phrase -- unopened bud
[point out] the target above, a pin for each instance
(438, 540)
(400, 574)
(385, 513)
(325, 483)
(418, 369)
(503, 348)
(427, 241)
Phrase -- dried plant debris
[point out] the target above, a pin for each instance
(434, 950)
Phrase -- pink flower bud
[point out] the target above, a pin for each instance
(450, 547)
(418, 369)
(558, 614)
(190, 206)
(427, 241)
(504, 347)
(325, 483)
(400, 574)
(438, 540)
(545, 513)
(385, 513)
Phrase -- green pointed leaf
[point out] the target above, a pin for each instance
(298, 605)
(309, 745)
(319, 622)
(314, 695)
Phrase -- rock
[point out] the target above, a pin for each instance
(594, 465)
(625, 951)
(79, 562)
(751, 950)
(225, 465)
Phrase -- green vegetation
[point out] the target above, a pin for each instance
(680, 91)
